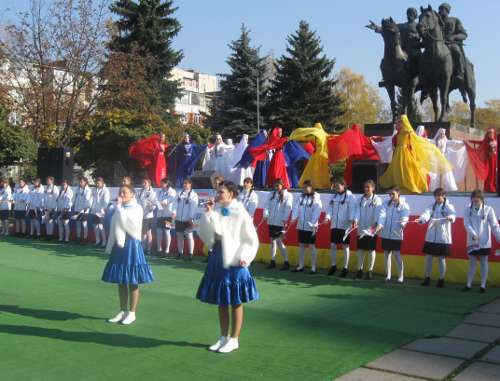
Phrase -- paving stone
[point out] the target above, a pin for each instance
(416, 364)
(447, 346)
(492, 308)
(493, 355)
(476, 332)
(364, 374)
(480, 371)
(480, 318)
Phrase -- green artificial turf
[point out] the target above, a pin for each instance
(53, 308)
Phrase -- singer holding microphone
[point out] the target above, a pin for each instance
(227, 229)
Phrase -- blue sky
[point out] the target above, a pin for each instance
(208, 26)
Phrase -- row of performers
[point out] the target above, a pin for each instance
(307, 153)
(169, 210)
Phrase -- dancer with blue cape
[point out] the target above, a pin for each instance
(247, 163)
(294, 155)
(184, 159)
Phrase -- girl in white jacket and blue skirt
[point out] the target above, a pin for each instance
(367, 215)
(127, 265)
(480, 221)
(228, 230)
(438, 238)
(392, 221)
(306, 214)
(277, 211)
(340, 212)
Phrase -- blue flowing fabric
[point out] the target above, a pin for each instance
(186, 158)
(226, 287)
(294, 153)
(260, 174)
(128, 265)
(247, 159)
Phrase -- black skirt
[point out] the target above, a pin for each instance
(481, 252)
(182, 226)
(275, 231)
(337, 235)
(4, 214)
(19, 214)
(391, 244)
(96, 219)
(164, 222)
(437, 249)
(367, 243)
(307, 237)
(64, 216)
(33, 213)
(147, 224)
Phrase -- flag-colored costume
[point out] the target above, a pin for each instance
(316, 170)
(184, 160)
(483, 157)
(277, 167)
(150, 153)
(296, 157)
(351, 145)
(414, 157)
(246, 166)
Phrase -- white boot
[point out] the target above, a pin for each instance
(118, 318)
(129, 319)
(229, 346)
(219, 344)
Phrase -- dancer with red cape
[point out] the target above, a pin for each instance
(483, 157)
(150, 153)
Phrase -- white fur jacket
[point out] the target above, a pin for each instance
(127, 219)
(235, 227)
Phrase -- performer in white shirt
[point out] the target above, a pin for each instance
(21, 199)
(82, 204)
(100, 202)
(367, 214)
(35, 207)
(340, 212)
(438, 238)
(164, 222)
(479, 221)
(277, 212)
(147, 199)
(248, 197)
(392, 221)
(306, 212)
(6, 200)
(186, 206)
(50, 206)
(64, 204)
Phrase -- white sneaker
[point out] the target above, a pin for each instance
(219, 344)
(229, 346)
(118, 318)
(129, 319)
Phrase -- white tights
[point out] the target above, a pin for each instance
(82, 225)
(302, 254)
(399, 264)
(180, 243)
(100, 234)
(361, 259)
(278, 243)
(428, 266)
(64, 232)
(483, 262)
(333, 254)
(160, 234)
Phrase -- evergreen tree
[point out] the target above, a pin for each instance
(149, 25)
(303, 91)
(234, 110)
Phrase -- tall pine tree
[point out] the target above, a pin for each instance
(150, 26)
(234, 110)
(303, 91)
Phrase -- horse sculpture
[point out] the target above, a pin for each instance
(436, 67)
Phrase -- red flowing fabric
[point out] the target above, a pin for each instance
(277, 167)
(351, 145)
(309, 147)
(483, 157)
(150, 153)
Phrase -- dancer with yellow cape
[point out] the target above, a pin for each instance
(316, 170)
(414, 157)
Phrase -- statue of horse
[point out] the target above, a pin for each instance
(395, 68)
(436, 67)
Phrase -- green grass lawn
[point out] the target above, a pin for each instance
(53, 308)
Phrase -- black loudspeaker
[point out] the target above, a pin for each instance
(363, 170)
(57, 162)
(203, 179)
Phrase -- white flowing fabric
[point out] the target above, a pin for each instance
(456, 154)
(217, 158)
(237, 175)
(384, 147)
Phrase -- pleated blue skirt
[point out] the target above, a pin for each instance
(128, 265)
(226, 287)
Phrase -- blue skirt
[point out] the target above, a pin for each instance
(128, 265)
(224, 287)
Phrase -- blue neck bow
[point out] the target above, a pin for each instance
(224, 211)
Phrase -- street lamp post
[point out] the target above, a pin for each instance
(258, 104)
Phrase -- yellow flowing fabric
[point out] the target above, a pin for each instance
(316, 170)
(414, 157)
